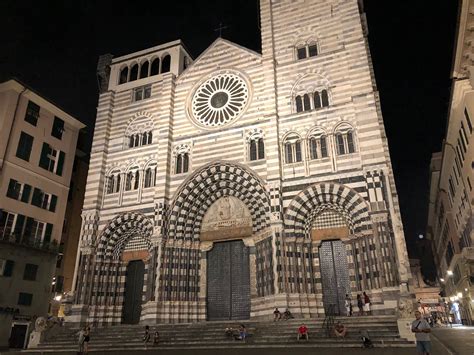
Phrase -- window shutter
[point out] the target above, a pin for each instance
(20, 222)
(59, 168)
(37, 197)
(12, 191)
(47, 233)
(52, 204)
(44, 160)
(25, 196)
(28, 227)
(8, 270)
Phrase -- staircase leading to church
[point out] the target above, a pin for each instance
(382, 330)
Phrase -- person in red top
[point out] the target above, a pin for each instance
(303, 332)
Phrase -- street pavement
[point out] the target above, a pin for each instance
(453, 341)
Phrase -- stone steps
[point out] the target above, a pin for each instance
(383, 331)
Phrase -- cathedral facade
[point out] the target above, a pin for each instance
(225, 186)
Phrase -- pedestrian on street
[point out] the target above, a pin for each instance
(422, 331)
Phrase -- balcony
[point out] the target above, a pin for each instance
(29, 242)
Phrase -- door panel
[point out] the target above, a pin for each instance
(228, 281)
(334, 275)
(132, 306)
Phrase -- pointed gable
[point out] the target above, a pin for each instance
(222, 54)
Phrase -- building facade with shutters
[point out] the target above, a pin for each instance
(37, 146)
(225, 186)
(450, 220)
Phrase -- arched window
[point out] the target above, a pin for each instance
(134, 72)
(155, 67)
(312, 50)
(301, 52)
(110, 184)
(166, 64)
(117, 183)
(299, 103)
(144, 70)
(137, 180)
(293, 149)
(123, 75)
(182, 163)
(306, 103)
(345, 141)
(128, 181)
(324, 98)
(317, 147)
(150, 137)
(257, 149)
(317, 100)
(150, 176)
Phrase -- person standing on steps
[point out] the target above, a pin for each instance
(146, 336)
(360, 304)
(348, 305)
(367, 304)
(81, 333)
(87, 338)
(422, 331)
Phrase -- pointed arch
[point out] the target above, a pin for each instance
(315, 199)
(119, 230)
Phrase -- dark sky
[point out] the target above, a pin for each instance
(53, 46)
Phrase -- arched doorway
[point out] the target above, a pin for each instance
(334, 276)
(228, 281)
(132, 304)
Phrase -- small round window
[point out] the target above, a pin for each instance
(220, 100)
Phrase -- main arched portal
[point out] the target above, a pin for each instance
(209, 259)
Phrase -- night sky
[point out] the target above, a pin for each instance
(53, 46)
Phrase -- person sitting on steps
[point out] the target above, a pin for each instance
(340, 330)
(287, 314)
(302, 332)
(156, 338)
(276, 315)
(242, 332)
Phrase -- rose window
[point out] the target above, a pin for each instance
(220, 100)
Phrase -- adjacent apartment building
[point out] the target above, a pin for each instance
(37, 150)
(450, 218)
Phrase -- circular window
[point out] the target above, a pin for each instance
(220, 99)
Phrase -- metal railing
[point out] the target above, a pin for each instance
(29, 241)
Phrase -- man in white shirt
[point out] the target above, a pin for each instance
(422, 331)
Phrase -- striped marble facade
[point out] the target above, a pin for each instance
(294, 206)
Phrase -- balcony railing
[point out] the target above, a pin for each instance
(29, 241)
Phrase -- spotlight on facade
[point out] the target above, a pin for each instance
(465, 289)
(441, 279)
(450, 273)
